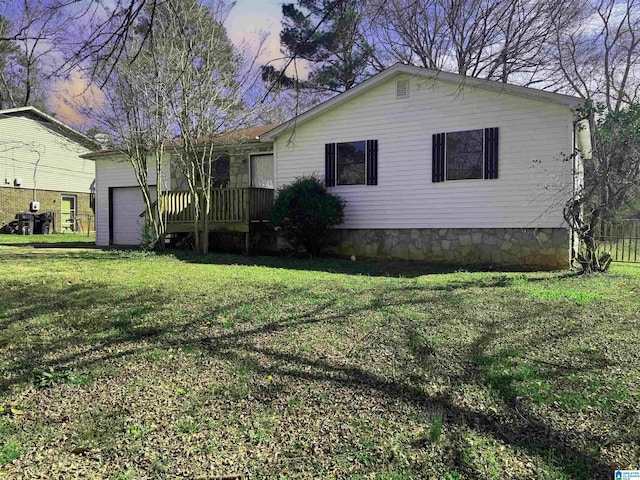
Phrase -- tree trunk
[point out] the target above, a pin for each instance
(205, 230)
(159, 221)
(197, 228)
(590, 261)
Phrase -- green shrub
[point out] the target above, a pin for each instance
(148, 238)
(304, 210)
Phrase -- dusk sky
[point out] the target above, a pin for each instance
(248, 20)
(250, 17)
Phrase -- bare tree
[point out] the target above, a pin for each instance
(599, 57)
(135, 112)
(526, 31)
(281, 104)
(84, 30)
(411, 32)
(611, 178)
(22, 73)
(179, 84)
(499, 40)
(9, 53)
(211, 80)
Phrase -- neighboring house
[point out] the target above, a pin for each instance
(440, 168)
(40, 161)
(243, 183)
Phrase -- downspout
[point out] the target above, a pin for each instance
(574, 189)
(583, 150)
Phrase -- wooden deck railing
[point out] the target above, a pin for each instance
(228, 205)
(261, 203)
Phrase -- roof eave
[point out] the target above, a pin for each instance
(79, 137)
(114, 153)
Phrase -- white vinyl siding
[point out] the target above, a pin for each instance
(527, 192)
(29, 149)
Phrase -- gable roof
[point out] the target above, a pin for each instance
(250, 134)
(49, 122)
(231, 137)
(436, 75)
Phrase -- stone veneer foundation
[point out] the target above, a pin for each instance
(515, 247)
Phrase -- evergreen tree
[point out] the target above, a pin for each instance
(327, 34)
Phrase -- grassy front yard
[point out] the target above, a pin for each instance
(121, 365)
(53, 240)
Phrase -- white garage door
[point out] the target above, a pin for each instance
(127, 223)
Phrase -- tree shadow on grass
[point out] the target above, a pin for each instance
(374, 268)
(528, 432)
(43, 254)
(524, 431)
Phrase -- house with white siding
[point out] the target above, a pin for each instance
(40, 161)
(437, 167)
(242, 169)
(434, 167)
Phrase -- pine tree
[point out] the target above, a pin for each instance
(325, 33)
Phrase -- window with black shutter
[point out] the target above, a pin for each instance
(351, 163)
(465, 155)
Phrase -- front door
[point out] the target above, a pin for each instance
(262, 170)
(68, 214)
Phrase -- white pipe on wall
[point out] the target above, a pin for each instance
(583, 136)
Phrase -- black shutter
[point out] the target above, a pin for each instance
(330, 165)
(372, 162)
(490, 153)
(437, 157)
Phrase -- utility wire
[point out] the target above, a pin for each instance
(72, 173)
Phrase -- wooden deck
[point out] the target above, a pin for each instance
(232, 209)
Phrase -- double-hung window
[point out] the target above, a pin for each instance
(351, 163)
(465, 155)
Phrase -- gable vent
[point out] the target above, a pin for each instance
(402, 88)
